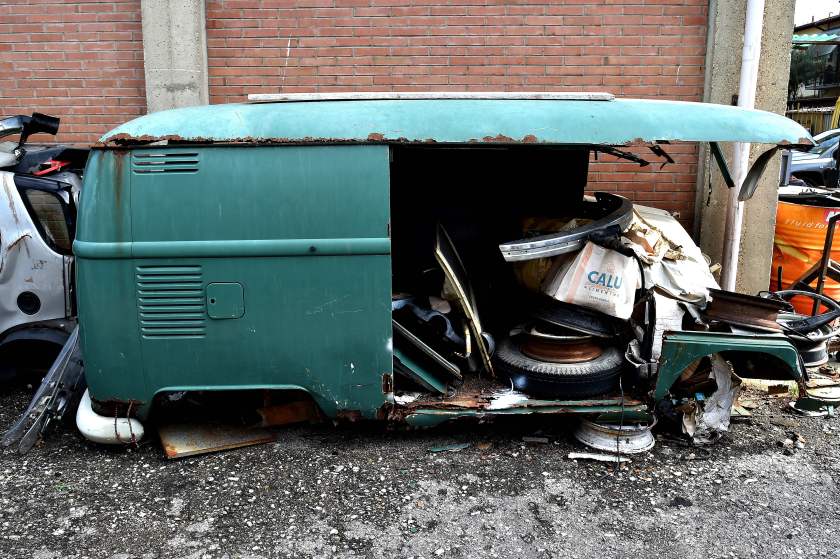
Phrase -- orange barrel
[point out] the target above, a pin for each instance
(798, 245)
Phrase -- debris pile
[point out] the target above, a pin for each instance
(599, 299)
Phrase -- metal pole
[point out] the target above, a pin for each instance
(825, 260)
(754, 22)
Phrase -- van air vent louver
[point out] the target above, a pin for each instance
(165, 162)
(170, 301)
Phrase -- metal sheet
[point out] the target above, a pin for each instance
(59, 388)
(453, 268)
(597, 457)
(404, 365)
(744, 310)
(477, 399)
(430, 417)
(445, 365)
(182, 440)
(317, 319)
(680, 349)
(755, 172)
(288, 413)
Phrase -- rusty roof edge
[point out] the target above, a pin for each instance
(460, 121)
(126, 141)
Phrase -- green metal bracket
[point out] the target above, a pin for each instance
(680, 349)
(721, 162)
(429, 417)
(422, 376)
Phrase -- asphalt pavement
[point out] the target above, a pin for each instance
(369, 491)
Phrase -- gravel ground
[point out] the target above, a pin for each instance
(370, 492)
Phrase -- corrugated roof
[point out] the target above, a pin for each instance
(818, 23)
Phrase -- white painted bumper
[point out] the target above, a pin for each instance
(105, 430)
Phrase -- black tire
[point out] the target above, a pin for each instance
(574, 317)
(559, 380)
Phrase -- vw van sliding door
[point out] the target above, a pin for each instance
(265, 267)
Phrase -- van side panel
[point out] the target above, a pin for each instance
(280, 192)
(263, 267)
(105, 290)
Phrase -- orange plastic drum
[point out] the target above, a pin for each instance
(798, 245)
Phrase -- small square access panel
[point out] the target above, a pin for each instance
(225, 300)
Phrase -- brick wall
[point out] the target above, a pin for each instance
(80, 61)
(641, 48)
(83, 61)
(637, 48)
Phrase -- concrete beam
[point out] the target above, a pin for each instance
(723, 66)
(175, 53)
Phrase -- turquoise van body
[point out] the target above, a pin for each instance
(248, 246)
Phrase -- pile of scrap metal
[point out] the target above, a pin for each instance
(553, 350)
(615, 301)
(614, 286)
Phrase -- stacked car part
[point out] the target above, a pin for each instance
(544, 360)
(567, 350)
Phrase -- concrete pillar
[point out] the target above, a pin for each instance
(723, 66)
(175, 53)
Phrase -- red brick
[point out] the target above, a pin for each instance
(85, 61)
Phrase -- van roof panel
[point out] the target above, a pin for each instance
(461, 121)
(414, 95)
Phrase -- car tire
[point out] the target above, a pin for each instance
(573, 317)
(558, 380)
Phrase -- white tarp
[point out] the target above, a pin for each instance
(673, 263)
(708, 420)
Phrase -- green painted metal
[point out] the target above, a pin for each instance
(241, 247)
(457, 121)
(424, 376)
(303, 230)
(225, 300)
(680, 349)
(431, 417)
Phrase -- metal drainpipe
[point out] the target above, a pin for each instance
(746, 98)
